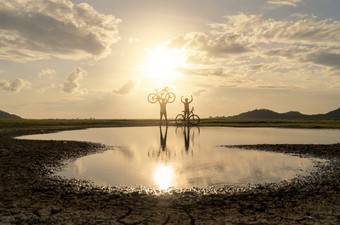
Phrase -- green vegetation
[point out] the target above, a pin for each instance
(45, 125)
(287, 123)
(72, 122)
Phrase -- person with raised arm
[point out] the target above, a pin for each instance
(186, 105)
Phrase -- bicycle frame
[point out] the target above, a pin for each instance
(162, 94)
(191, 118)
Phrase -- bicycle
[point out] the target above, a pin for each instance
(192, 118)
(170, 97)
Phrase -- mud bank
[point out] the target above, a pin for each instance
(30, 195)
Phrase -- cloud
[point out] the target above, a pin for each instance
(320, 56)
(324, 57)
(134, 40)
(198, 92)
(126, 88)
(203, 71)
(226, 45)
(15, 86)
(72, 84)
(289, 52)
(47, 72)
(250, 47)
(256, 28)
(39, 29)
(278, 87)
(284, 2)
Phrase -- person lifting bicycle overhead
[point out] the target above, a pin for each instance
(186, 106)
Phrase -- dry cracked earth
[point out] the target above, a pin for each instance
(30, 194)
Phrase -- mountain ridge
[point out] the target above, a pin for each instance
(6, 115)
(269, 114)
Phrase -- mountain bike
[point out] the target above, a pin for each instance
(192, 118)
(170, 97)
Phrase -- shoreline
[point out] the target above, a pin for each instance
(30, 195)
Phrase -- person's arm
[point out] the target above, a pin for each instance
(182, 99)
(191, 99)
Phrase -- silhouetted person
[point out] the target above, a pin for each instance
(163, 139)
(186, 106)
(162, 104)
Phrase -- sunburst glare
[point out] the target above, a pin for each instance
(164, 176)
(162, 63)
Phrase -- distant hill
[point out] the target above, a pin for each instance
(5, 115)
(269, 114)
(335, 114)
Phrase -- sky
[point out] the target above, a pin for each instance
(101, 58)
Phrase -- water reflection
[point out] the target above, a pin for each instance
(188, 135)
(161, 153)
(164, 176)
(163, 138)
(163, 157)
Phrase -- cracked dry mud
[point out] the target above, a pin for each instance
(30, 195)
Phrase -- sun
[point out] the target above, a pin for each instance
(162, 63)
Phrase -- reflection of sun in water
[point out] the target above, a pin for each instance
(163, 62)
(164, 176)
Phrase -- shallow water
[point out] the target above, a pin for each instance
(184, 157)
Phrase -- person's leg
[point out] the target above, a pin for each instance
(160, 118)
(166, 118)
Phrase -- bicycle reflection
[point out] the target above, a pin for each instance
(189, 134)
(167, 150)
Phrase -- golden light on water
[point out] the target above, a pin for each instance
(162, 63)
(164, 176)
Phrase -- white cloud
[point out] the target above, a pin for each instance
(256, 28)
(15, 86)
(246, 47)
(126, 88)
(72, 84)
(200, 46)
(47, 72)
(284, 2)
(134, 40)
(39, 29)
(204, 71)
(198, 92)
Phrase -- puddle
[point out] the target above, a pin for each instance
(184, 157)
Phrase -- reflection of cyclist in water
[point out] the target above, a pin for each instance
(162, 104)
(186, 133)
(163, 139)
(186, 106)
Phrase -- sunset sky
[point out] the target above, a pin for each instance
(101, 58)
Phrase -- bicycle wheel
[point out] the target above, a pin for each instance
(170, 97)
(179, 119)
(152, 98)
(194, 119)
